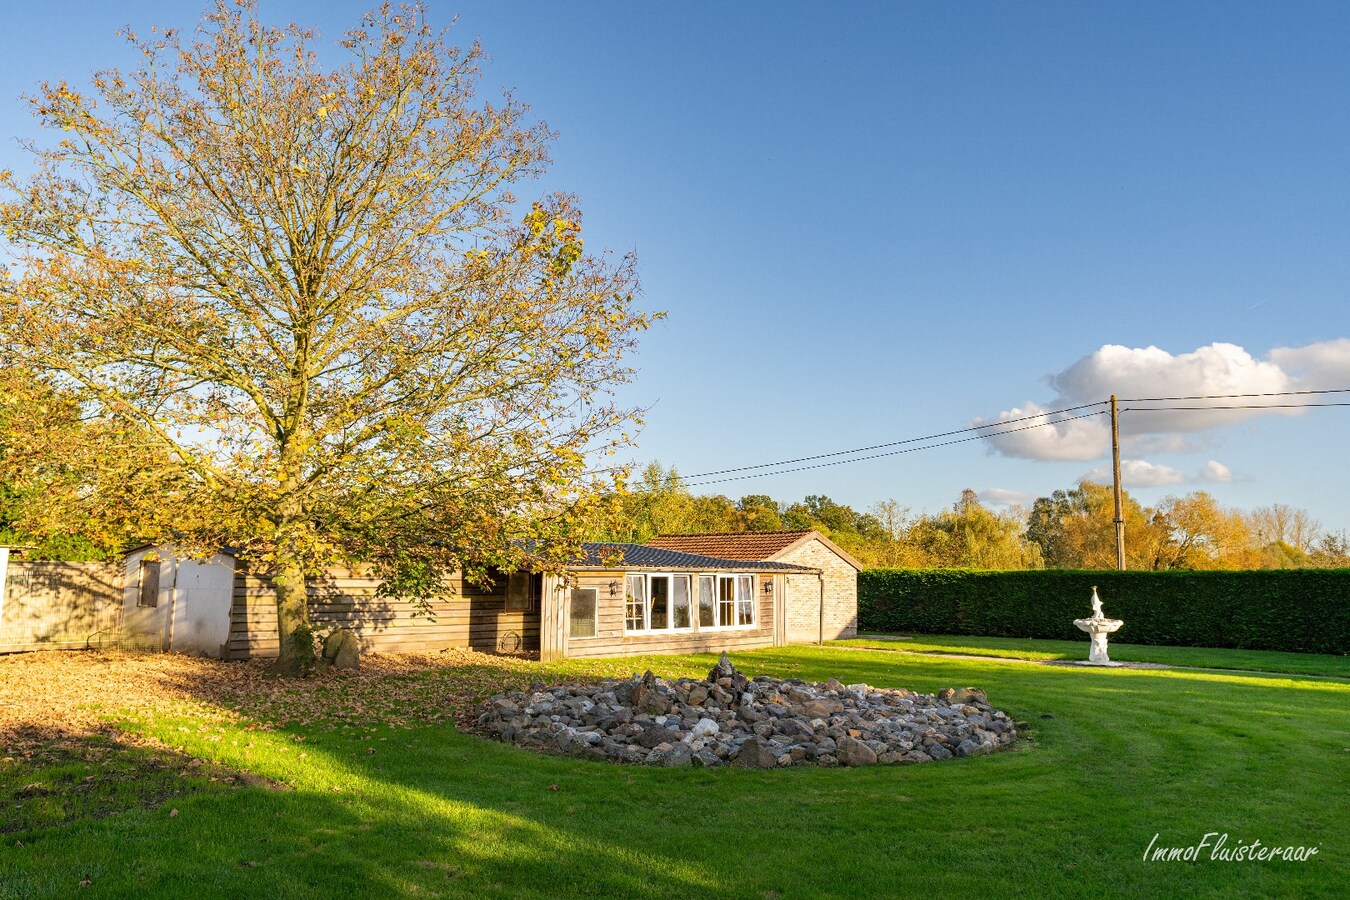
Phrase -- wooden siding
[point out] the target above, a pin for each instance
(468, 617)
(49, 606)
(610, 639)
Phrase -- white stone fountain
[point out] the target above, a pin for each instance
(1098, 626)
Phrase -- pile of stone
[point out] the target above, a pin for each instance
(728, 719)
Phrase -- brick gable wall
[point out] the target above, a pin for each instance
(803, 597)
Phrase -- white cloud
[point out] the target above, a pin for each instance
(1138, 473)
(1135, 374)
(997, 496)
(1139, 445)
(1151, 372)
(1065, 438)
(1215, 471)
(1317, 366)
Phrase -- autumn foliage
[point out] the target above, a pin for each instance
(311, 299)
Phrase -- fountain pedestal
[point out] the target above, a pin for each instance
(1098, 626)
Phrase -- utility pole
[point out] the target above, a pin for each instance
(1115, 471)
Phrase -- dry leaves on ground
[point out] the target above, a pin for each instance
(46, 695)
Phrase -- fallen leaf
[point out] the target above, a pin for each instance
(173, 813)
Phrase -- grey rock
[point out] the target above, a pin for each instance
(342, 648)
(723, 669)
(755, 754)
(853, 752)
(707, 759)
(651, 737)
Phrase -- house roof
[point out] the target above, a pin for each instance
(645, 556)
(748, 545)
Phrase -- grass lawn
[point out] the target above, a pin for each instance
(382, 800)
(1039, 649)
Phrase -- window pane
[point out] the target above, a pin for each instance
(707, 590)
(149, 595)
(726, 600)
(745, 600)
(581, 620)
(679, 602)
(636, 604)
(660, 614)
(518, 592)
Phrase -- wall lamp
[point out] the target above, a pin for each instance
(614, 588)
(768, 587)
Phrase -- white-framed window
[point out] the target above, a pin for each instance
(681, 616)
(707, 601)
(745, 600)
(659, 602)
(734, 601)
(635, 603)
(664, 602)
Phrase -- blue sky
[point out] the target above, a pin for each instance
(885, 220)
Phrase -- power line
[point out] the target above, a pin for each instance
(914, 440)
(994, 429)
(1234, 396)
(840, 462)
(1231, 406)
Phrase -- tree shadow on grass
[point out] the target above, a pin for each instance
(53, 776)
(444, 815)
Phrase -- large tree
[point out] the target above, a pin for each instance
(1201, 534)
(313, 289)
(969, 535)
(1280, 523)
(1075, 529)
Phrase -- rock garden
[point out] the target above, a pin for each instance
(728, 719)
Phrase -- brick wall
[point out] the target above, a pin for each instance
(803, 598)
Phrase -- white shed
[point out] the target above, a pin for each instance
(181, 601)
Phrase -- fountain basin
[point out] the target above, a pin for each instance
(1098, 628)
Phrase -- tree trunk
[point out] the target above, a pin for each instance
(294, 631)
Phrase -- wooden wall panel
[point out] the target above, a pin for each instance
(468, 618)
(473, 619)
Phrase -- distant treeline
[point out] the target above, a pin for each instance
(1070, 529)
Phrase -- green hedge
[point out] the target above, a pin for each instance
(1299, 610)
